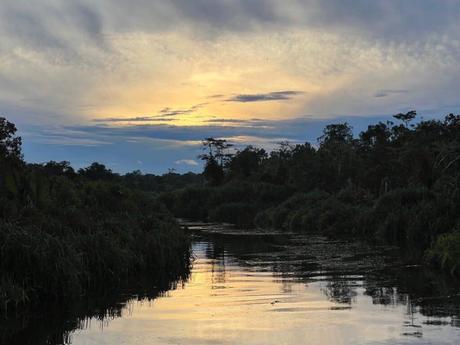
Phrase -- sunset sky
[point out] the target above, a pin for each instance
(137, 84)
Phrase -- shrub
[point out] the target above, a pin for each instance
(446, 252)
(240, 214)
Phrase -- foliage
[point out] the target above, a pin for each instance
(446, 251)
(64, 234)
(239, 213)
(211, 202)
(392, 183)
(10, 144)
(216, 157)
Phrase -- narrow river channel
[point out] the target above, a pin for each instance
(248, 288)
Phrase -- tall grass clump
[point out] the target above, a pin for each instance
(446, 252)
(63, 237)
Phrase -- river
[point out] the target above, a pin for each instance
(254, 288)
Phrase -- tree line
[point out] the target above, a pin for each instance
(65, 234)
(396, 182)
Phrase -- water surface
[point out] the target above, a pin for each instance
(278, 289)
(254, 288)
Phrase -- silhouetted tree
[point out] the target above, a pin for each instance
(217, 149)
(337, 155)
(216, 157)
(247, 161)
(62, 235)
(213, 171)
(10, 144)
(406, 117)
(96, 171)
(59, 168)
(334, 134)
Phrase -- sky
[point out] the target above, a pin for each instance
(137, 84)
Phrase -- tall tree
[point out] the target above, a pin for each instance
(406, 117)
(10, 143)
(247, 161)
(337, 154)
(216, 156)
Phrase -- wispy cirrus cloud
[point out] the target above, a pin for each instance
(133, 119)
(227, 121)
(303, 128)
(164, 115)
(139, 74)
(386, 93)
(265, 97)
(171, 112)
(235, 122)
(162, 146)
(337, 50)
(186, 162)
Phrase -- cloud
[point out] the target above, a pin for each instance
(186, 162)
(161, 147)
(303, 128)
(66, 63)
(63, 137)
(164, 115)
(386, 19)
(234, 122)
(50, 24)
(386, 93)
(134, 119)
(383, 19)
(171, 112)
(130, 56)
(264, 97)
(227, 121)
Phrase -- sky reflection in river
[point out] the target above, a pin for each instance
(241, 300)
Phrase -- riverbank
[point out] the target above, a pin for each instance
(249, 288)
(65, 234)
(415, 218)
(395, 184)
(63, 255)
(297, 287)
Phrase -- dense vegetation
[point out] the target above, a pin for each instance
(394, 183)
(64, 234)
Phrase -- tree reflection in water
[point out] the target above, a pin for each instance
(344, 271)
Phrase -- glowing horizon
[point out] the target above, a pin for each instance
(214, 64)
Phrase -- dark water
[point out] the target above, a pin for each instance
(247, 288)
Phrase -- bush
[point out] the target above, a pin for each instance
(293, 213)
(446, 252)
(209, 203)
(78, 235)
(409, 217)
(241, 214)
(191, 203)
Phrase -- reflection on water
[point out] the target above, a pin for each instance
(278, 289)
